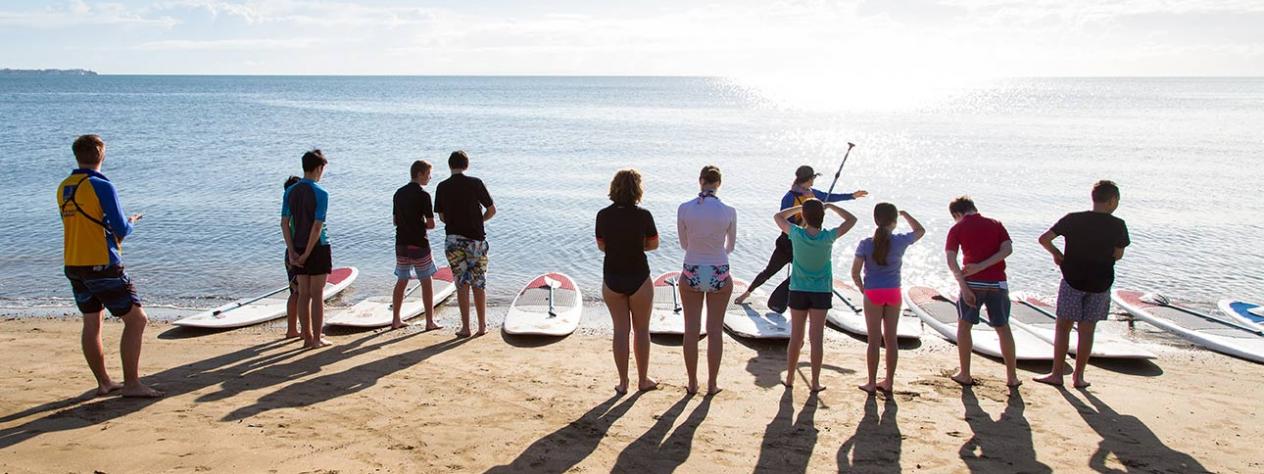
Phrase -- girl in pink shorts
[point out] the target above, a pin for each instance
(880, 258)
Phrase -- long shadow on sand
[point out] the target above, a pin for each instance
(876, 445)
(1003, 445)
(788, 442)
(655, 451)
(1130, 440)
(561, 450)
(236, 369)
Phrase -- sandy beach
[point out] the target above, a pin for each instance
(409, 401)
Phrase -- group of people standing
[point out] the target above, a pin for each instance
(95, 225)
(975, 249)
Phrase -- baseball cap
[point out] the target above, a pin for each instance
(804, 173)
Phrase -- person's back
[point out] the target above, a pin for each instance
(811, 269)
(978, 238)
(461, 199)
(706, 224)
(463, 204)
(307, 202)
(623, 228)
(1091, 238)
(879, 275)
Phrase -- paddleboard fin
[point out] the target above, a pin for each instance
(1156, 299)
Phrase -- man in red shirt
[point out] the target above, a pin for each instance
(984, 244)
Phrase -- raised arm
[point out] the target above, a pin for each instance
(918, 230)
(825, 197)
(849, 220)
(782, 218)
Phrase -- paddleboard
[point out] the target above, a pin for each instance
(1040, 319)
(375, 312)
(849, 314)
(1249, 313)
(269, 306)
(669, 316)
(1224, 335)
(940, 313)
(753, 319)
(529, 314)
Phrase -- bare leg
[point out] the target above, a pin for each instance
(291, 314)
(641, 305)
(397, 300)
(317, 290)
(1082, 352)
(873, 327)
(305, 310)
(463, 303)
(427, 298)
(890, 325)
(94, 352)
(133, 336)
(798, 319)
(717, 305)
(1007, 352)
(621, 319)
(1061, 337)
(480, 305)
(965, 344)
(692, 301)
(816, 332)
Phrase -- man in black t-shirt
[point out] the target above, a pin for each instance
(463, 205)
(413, 217)
(1094, 241)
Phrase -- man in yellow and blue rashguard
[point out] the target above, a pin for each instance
(94, 228)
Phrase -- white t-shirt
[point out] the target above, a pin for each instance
(707, 229)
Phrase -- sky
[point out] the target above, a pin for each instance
(883, 40)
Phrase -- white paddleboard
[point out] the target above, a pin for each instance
(669, 315)
(1219, 334)
(376, 312)
(1040, 319)
(529, 312)
(849, 314)
(753, 319)
(1249, 313)
(940, 313)
(249, 311)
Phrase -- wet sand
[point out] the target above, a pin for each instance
(408, 401)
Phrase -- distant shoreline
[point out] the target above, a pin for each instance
(46, 72)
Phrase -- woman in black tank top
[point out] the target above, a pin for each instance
(625, 232)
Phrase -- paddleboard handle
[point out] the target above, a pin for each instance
(551, 284)
(675, 296)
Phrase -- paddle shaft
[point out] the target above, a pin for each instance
(239, 304)
(838, 173)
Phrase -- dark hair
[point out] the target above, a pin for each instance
(1104, 191)
(625, 188)
(458, 160)
(884, 214)
(710, 174)
(814, 212)
(88, 149)
(290, 181)
(418, 168)
(962, 205)
(313, 159)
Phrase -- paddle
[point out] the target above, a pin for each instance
(846, 301)
(1208, 317)
(551, 284)
(675, 296)
(232, 306)
(406, 293)
(838, 173)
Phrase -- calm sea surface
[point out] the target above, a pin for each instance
(205, 157)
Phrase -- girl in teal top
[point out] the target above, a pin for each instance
(811, 279)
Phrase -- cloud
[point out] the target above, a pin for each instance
(229, 44)
(80, 13)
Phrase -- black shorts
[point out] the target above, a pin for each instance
(625, 284)
(803, 300)
(96, 288)
(319, 262)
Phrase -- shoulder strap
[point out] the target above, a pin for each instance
(71, 200)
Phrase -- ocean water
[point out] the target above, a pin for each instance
(204, 159)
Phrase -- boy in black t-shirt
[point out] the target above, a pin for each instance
(413, 216)
(1094, 241)
(463, 205)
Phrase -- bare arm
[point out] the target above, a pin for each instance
(782, 218)
(680, 231)
(289, 238)
(601, 245)
(651, 243)
(1119, 253)
(967, 296)
(856, 266)
(430, 223)
(441, 218)
(918, 230)
(731, 241)
(1006, 249)
(1046, 241)
(312, 238)
(849, 220)
(489, 213)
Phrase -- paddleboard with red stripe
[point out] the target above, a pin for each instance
(269, 306)
(548, 305)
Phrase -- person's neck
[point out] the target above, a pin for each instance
(456, 172)
(968, 214)
(310, 176)
(708, 190)
(96, 167)
(1102, 208)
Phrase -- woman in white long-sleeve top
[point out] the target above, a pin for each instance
(708, 233)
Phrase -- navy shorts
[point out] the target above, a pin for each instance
(996, 300)
(96, 288)
(805, 300)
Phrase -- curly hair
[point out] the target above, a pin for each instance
(625, 188)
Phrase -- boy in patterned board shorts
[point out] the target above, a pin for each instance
(413, 216)
(1094, 240)
(463, 205)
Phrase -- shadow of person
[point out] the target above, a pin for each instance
(1004, 445)
(562, 449)
(788, 442)
(68, 415)
(876, 445)
(1130, 440)
(655, 451)
(331, 386)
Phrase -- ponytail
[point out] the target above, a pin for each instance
(884, 214)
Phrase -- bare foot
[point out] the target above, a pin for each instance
(818, 388)
(713, 390)
(141, 391)
(463, 333)
(1055, 380)
(106, 389)
(1013, 383)
(963, 380)
(692, 389)
(1081, 384)
(868, 388)
(399, 325)
(292, 334)
(433, 326)
(621, 389)
(884, 385)
(788, 383)
(647, 385)
(480, 332)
